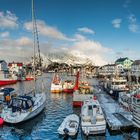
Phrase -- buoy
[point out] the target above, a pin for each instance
(1, 122)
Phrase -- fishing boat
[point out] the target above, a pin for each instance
(23, 108)
(68, 86)
(81, 93)
(136, 109)
(56, 85)
(92, 118)
(29, 78)
(115, 85)
(125, 98)
(7, 81)
(69, 126)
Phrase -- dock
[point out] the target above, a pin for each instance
(116, 116)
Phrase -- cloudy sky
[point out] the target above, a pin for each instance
(102, 30)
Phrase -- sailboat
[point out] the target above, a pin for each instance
(23, 108)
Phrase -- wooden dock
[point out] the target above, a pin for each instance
(117, 118)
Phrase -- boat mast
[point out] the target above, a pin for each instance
(33, 32)
(36, 33)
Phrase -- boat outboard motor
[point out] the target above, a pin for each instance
(66, 131)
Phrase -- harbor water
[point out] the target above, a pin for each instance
(45, 125)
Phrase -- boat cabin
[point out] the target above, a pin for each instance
(21, 103)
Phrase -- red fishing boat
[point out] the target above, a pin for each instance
(81, 93)
(68, 86)
(4, 82)
(29, 78)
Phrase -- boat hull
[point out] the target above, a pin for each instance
(68, 90)
(94, 130)
(29, 78)
(56, 88)
(69, 126)
(77, 103)
(7, 82)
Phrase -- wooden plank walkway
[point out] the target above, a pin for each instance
(117, 117)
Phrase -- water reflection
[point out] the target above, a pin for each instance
(45, 125)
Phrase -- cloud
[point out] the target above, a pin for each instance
(133, 25)
(4, 34)
(116, 23)
(86, 30)
(127, 3)
(90, 49)
(8, 20)
(46, 30)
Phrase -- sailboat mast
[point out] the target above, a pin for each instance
(33, 32)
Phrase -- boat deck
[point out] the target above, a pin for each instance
(117, 117)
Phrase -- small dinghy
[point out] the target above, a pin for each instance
(69, 126)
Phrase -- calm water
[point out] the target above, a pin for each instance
(45, 125)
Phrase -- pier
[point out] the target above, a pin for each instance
(117, 118)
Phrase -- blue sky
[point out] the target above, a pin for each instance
(101, 30)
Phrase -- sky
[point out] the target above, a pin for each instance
(100, 30)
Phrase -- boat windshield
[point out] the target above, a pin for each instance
(73, 123)
(118, 83)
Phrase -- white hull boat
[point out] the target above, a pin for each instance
(69, 126)
(23, 108)
(92, 118)
(56, 88)
(56, 85)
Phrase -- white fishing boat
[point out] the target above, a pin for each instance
(92, 118)
(23, 108)
(69, 126)
(56, 85)
(115, 85)
(136, 109)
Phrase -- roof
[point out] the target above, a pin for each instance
(121, 59)
(136, 62)
(18, 63)
(109, 65)
(2, 61)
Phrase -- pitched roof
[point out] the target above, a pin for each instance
(110, 65)
(136, 62)
(121, 59)
(2, 61)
